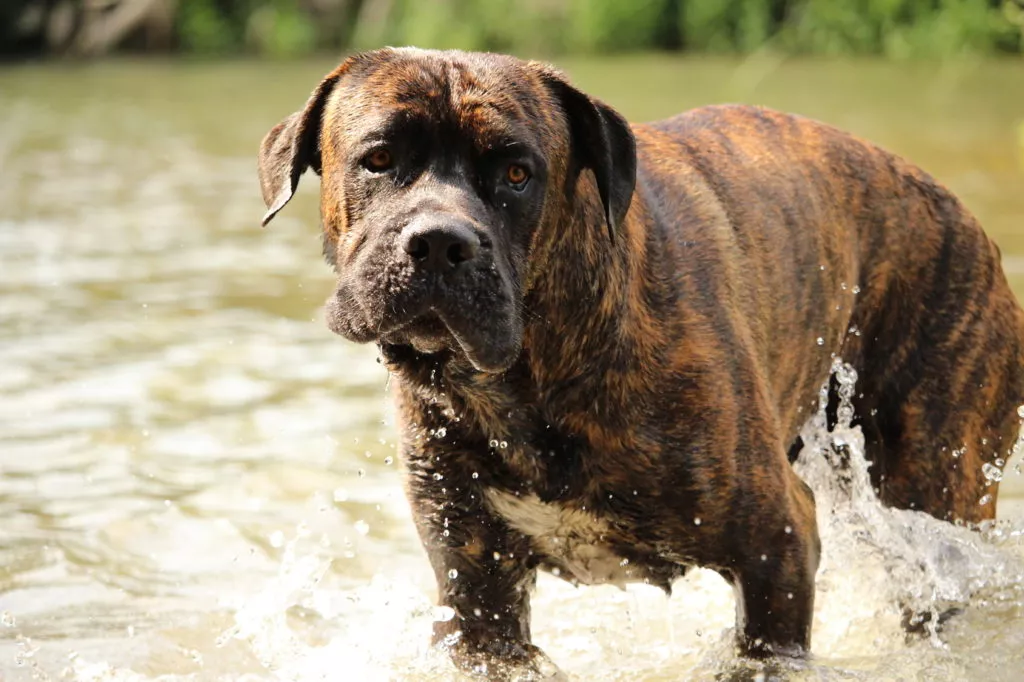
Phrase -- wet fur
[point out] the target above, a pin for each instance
(663, 371)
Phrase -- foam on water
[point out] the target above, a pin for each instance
(309, 624)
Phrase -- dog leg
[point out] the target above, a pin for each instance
(938, 439)
(774, 580)
(484, 573)
(488, 633)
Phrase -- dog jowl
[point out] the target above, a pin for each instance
(642, 317)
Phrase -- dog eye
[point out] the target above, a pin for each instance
(517, 176)
(378, 161)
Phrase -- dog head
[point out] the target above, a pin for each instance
(439, 172)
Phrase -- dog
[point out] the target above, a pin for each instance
(606, 337)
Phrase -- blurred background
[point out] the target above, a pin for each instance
(893, 28)
(896, 29)
(198, 480)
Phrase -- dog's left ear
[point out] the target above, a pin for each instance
(292, 146)
(601, 141)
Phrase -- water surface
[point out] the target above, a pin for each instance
(196, 477)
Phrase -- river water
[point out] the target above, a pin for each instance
(196, 476)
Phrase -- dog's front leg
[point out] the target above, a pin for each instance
(484, 571)
(774, 580)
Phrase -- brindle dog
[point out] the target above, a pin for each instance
(606, 337)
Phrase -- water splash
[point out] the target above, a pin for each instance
(309, 622)
(881, 564)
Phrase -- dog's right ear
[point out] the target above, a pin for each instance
(293, 145)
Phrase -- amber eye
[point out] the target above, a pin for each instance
(517, 176)
(378, 161)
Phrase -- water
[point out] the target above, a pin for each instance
(197, 480)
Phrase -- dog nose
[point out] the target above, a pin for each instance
(440, 247)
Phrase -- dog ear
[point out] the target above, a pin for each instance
(601, 141)
(292, 146)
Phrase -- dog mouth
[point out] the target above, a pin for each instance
(488, 348)
(426, 334)
(471, 316)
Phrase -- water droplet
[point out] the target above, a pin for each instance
(821, 341)
(442, 432)
(503, 444)
(789, 530)
(446, 532)
(700, 633)
(443, 613)
(696, 521)
(453, 574)
(493, 443)
(496, 616)
(362, 527)
(624, 562)
(556, 571)
(389, 460)
(985, 499)
(764, 557)
(992, 472)
(497, 556)
(437, 476)
(277, 539)
(789, 595)
(856, 289)
(474, 475)
(842, 285)
(477, 612)
(7, 619)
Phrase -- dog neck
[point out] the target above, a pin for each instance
(594, 297)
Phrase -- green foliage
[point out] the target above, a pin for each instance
(898, 28)
(280, 30)
(277, 28)
(203, 28)
(726, 26)
(529, 26)
(614, 25)
(283, 28)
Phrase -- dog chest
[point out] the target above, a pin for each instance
(573, 540)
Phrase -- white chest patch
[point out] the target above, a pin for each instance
(572, 538)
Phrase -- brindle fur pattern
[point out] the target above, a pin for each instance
(633, 411)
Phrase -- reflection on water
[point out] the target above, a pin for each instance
(196, 478)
